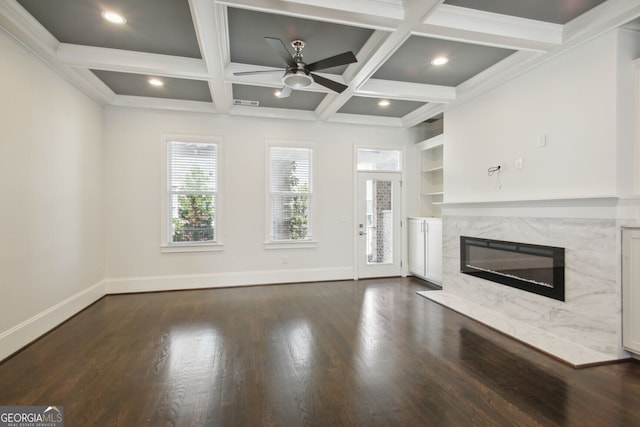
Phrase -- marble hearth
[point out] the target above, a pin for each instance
(584, 329)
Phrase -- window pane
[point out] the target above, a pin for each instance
(291, 169)
(193, 218)
(378, 160)
(379, 215)
(192, 186)
(290, 217)
(290, 182)
(192, 166)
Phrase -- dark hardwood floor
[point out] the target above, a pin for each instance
(328, 354)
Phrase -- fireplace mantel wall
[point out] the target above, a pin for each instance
(589, 230)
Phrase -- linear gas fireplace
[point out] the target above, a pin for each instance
(534, 268)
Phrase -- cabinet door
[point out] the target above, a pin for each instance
(631, 290)
(434, 251)
(416, 247)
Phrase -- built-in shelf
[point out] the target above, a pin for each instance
(431, 176)
(433, 170)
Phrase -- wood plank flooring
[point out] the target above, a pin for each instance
(366, 353)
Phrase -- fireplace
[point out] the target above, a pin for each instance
(533, 268)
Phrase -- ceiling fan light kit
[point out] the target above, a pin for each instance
(297, 79)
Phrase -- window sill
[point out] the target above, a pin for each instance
(292, 244)
(193, 247)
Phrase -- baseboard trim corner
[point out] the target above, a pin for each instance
(21, 335)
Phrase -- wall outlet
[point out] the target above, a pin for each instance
(285, 259)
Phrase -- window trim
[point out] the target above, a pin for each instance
(167, 246)
(269, 243)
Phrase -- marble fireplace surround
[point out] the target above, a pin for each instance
(583, 330)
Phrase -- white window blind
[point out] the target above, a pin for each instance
(291, 192)
(192, 186)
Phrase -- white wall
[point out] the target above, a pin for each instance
(583, 101)
(51, 198)
(576, 100)
(627, 113)
(134, 141)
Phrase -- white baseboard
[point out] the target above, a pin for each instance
(24, 333)
(31, 329)
(218, 280)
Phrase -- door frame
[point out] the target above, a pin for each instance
(403, 203)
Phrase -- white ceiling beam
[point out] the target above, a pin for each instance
(210, 25)
(90, 84)
(421, 114)
(126, 61)
(27, 30)
(497, 74)
(340, 15)
(479, 27)
(481, 38)
(272, 113)
(23, 27)
(361, 119)
(162, 104)
(376, 88)
(599, 20)
(387, 8)
(415, 12)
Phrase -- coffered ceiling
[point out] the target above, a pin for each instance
(195, 47)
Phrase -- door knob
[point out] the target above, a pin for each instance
(362, 233)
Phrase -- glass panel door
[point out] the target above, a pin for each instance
(379, 219)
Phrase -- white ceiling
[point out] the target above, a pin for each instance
(196, 46)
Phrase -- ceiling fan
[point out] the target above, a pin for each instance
(299, 75)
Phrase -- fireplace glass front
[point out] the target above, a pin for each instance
(534, 268)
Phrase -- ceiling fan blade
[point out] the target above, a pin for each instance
(334, 61)
(335, 86)
(250, 73)
(285, 92)
(281, 49)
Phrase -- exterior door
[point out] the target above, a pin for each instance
(379, 225)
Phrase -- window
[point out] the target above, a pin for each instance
(192, 193)
(290, 193)
(378, 160)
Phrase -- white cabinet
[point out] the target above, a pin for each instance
(631, 289)
(425, 248)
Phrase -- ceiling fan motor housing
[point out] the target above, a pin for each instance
(297, 78)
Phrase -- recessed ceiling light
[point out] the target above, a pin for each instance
(440, 60)
(277, 93)
(113, 17)
(384, 103)
(156, 82)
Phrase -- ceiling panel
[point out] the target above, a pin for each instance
(554, 11)
(394, 41)
(247, 30)
(138, 85)
(298, 100)
(369, 106)
(154, 26)
(412, 61)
